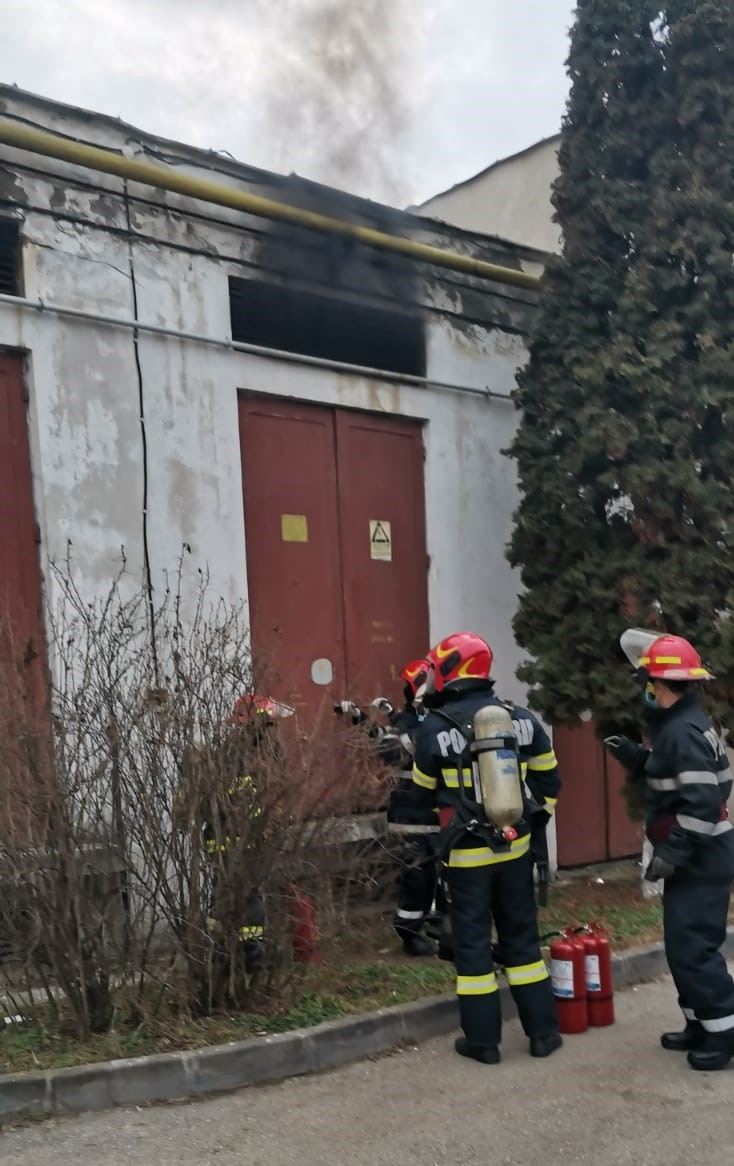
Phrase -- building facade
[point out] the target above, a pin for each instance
(165, 350)
(314, 424)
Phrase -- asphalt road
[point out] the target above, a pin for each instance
(610, 1097)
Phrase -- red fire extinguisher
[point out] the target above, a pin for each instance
(599, 986)
(306, 939)
(568, 976)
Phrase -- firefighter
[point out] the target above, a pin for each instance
(488, 871)
(230, 818)
(393, 733)
(417, 881)
(687, 782)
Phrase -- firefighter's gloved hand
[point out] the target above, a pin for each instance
(659, 868)
(348, 709)
(628, 753)
(382, 705)
(539, 818)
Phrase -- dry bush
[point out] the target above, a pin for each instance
(143, 826)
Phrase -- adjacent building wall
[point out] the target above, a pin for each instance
(511, 199)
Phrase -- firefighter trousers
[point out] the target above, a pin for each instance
(694, 923)
(502, 891)
(417, 884)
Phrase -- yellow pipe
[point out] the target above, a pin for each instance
(149, 174)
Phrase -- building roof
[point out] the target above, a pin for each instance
(488, 169)
(292, 187)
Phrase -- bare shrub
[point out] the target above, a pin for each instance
(158, 839)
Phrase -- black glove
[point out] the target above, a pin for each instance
(628, 753)
(659, 868)
(536, 816)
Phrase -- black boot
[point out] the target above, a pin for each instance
(416, 946)
(445, 940)
(543, 1046)
(692, 1037)
(713, 1056)
(486, 1054)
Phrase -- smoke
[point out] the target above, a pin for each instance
(336, 93)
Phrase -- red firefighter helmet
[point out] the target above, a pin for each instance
(673, 658)
(249, 706)
(415, 674)
(462, 656)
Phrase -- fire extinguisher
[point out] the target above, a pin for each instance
(568, 976)
(306, 949)
(599, 986)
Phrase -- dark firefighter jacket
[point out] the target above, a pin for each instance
(688, 781)
(225, 784)
(398, 750)
(442, 760)
(396, 744)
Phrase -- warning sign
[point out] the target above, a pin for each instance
(381, 540)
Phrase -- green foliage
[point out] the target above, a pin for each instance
(626, 447)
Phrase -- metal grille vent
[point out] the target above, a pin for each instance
(312, 324)
(9, 257)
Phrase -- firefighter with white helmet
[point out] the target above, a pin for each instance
(687, 783)
(489, 768)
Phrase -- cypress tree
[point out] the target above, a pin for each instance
(625, 448)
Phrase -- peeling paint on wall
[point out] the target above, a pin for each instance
(86, 437)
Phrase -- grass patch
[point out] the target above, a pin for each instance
(362, 970)
(631, 920)
(325, 992)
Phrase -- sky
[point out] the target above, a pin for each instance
(392, 99)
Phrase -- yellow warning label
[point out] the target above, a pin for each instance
(294, 528)
(381, 540)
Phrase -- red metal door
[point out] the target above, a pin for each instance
(624, 835)
(592, 820)
(21, 621)
(382, 512)
(292, 529)
(581, 814)
(336, 551)
(24, 717)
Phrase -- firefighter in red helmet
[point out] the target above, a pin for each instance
(394, 735)
(417, 882)
(489, 768)
(220, 793)
(687, 782)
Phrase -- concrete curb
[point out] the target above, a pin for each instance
(176, 1076)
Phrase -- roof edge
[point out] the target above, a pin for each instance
(488, 169)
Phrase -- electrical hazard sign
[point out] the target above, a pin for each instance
(380, 540)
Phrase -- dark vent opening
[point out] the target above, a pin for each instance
(311, 324)
(9, 257)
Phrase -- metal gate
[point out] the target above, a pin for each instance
(592, 820)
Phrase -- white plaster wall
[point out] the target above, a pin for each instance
(88, 451)
(85, 418)
(511, 200)
(86, 434)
